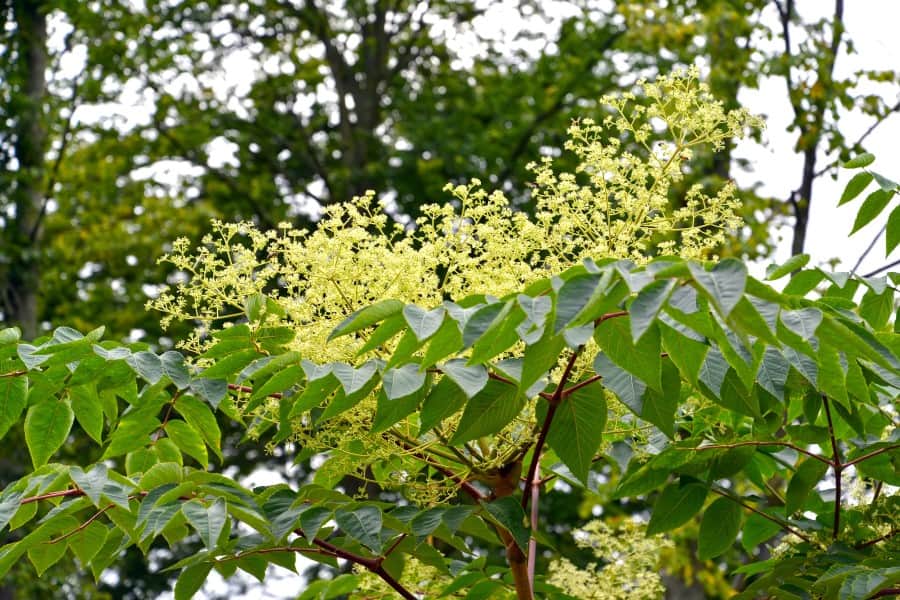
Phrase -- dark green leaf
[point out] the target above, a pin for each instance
(719, 527)
(367, 316)
(363, 524)
(577, 428)
(191, 580)
(645, 308)
(200, 418)
(675, 506)
(641, 360)
(444, 399)
(208, 521)
(488, 412)
(174, 367)
(470, 379)
(88, 411)
(724, 284)
(805, 478)
(147, 365)
(188, 440)
(629, 389)
(509, 514)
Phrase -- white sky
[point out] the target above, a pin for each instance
(872, 24)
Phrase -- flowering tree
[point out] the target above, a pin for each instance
(469, 364)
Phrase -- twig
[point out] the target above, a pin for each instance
(838, 468)
(867, 250)
(871, 454)
(553, 402)
(754, 443)
(882, 269)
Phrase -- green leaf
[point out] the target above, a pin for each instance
(9, 505)
(354, 379)
(208, 521)
(385, 331)
(508, 513)
(47, 426)
(775, 272)
(96, 485)
(488, 412)
(389, 411)
(659, 407)
(188, 440)
(757, 530)
(572, 297)
(725, 283)
(363, 524)
(641, 360)
(86, 543)
(211, 390)
(402, 381)
(687, 354)
(88, 411)
(645, 308)
(200, 417)
(45, 555)
(855, 186)
(278, 382)
(444, 399)
(191, 580)
(470, 379)
(13, 395)
(675, 506)
(424, 323)
(866, 583)
(857, 162)
(161, 474)
(540, 357)
(773, 372)
(719, 527)
(366, 317)
(175, 368)
(445, 342)
(871, 208)
(231, 365)
(272, 340)
(888, 185)
(629, 389)
(805, 478)
(147, 365)
(892, 234)
(483, 320)
(577, 428)
(312, 519)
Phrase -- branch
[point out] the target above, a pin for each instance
(877, 540)
(777, 521)
(878, 121)
(872, 454)
(867, 250)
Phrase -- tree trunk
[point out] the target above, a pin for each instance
(20, 285)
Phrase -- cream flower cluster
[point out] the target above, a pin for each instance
(618, 203)
(626, 567)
